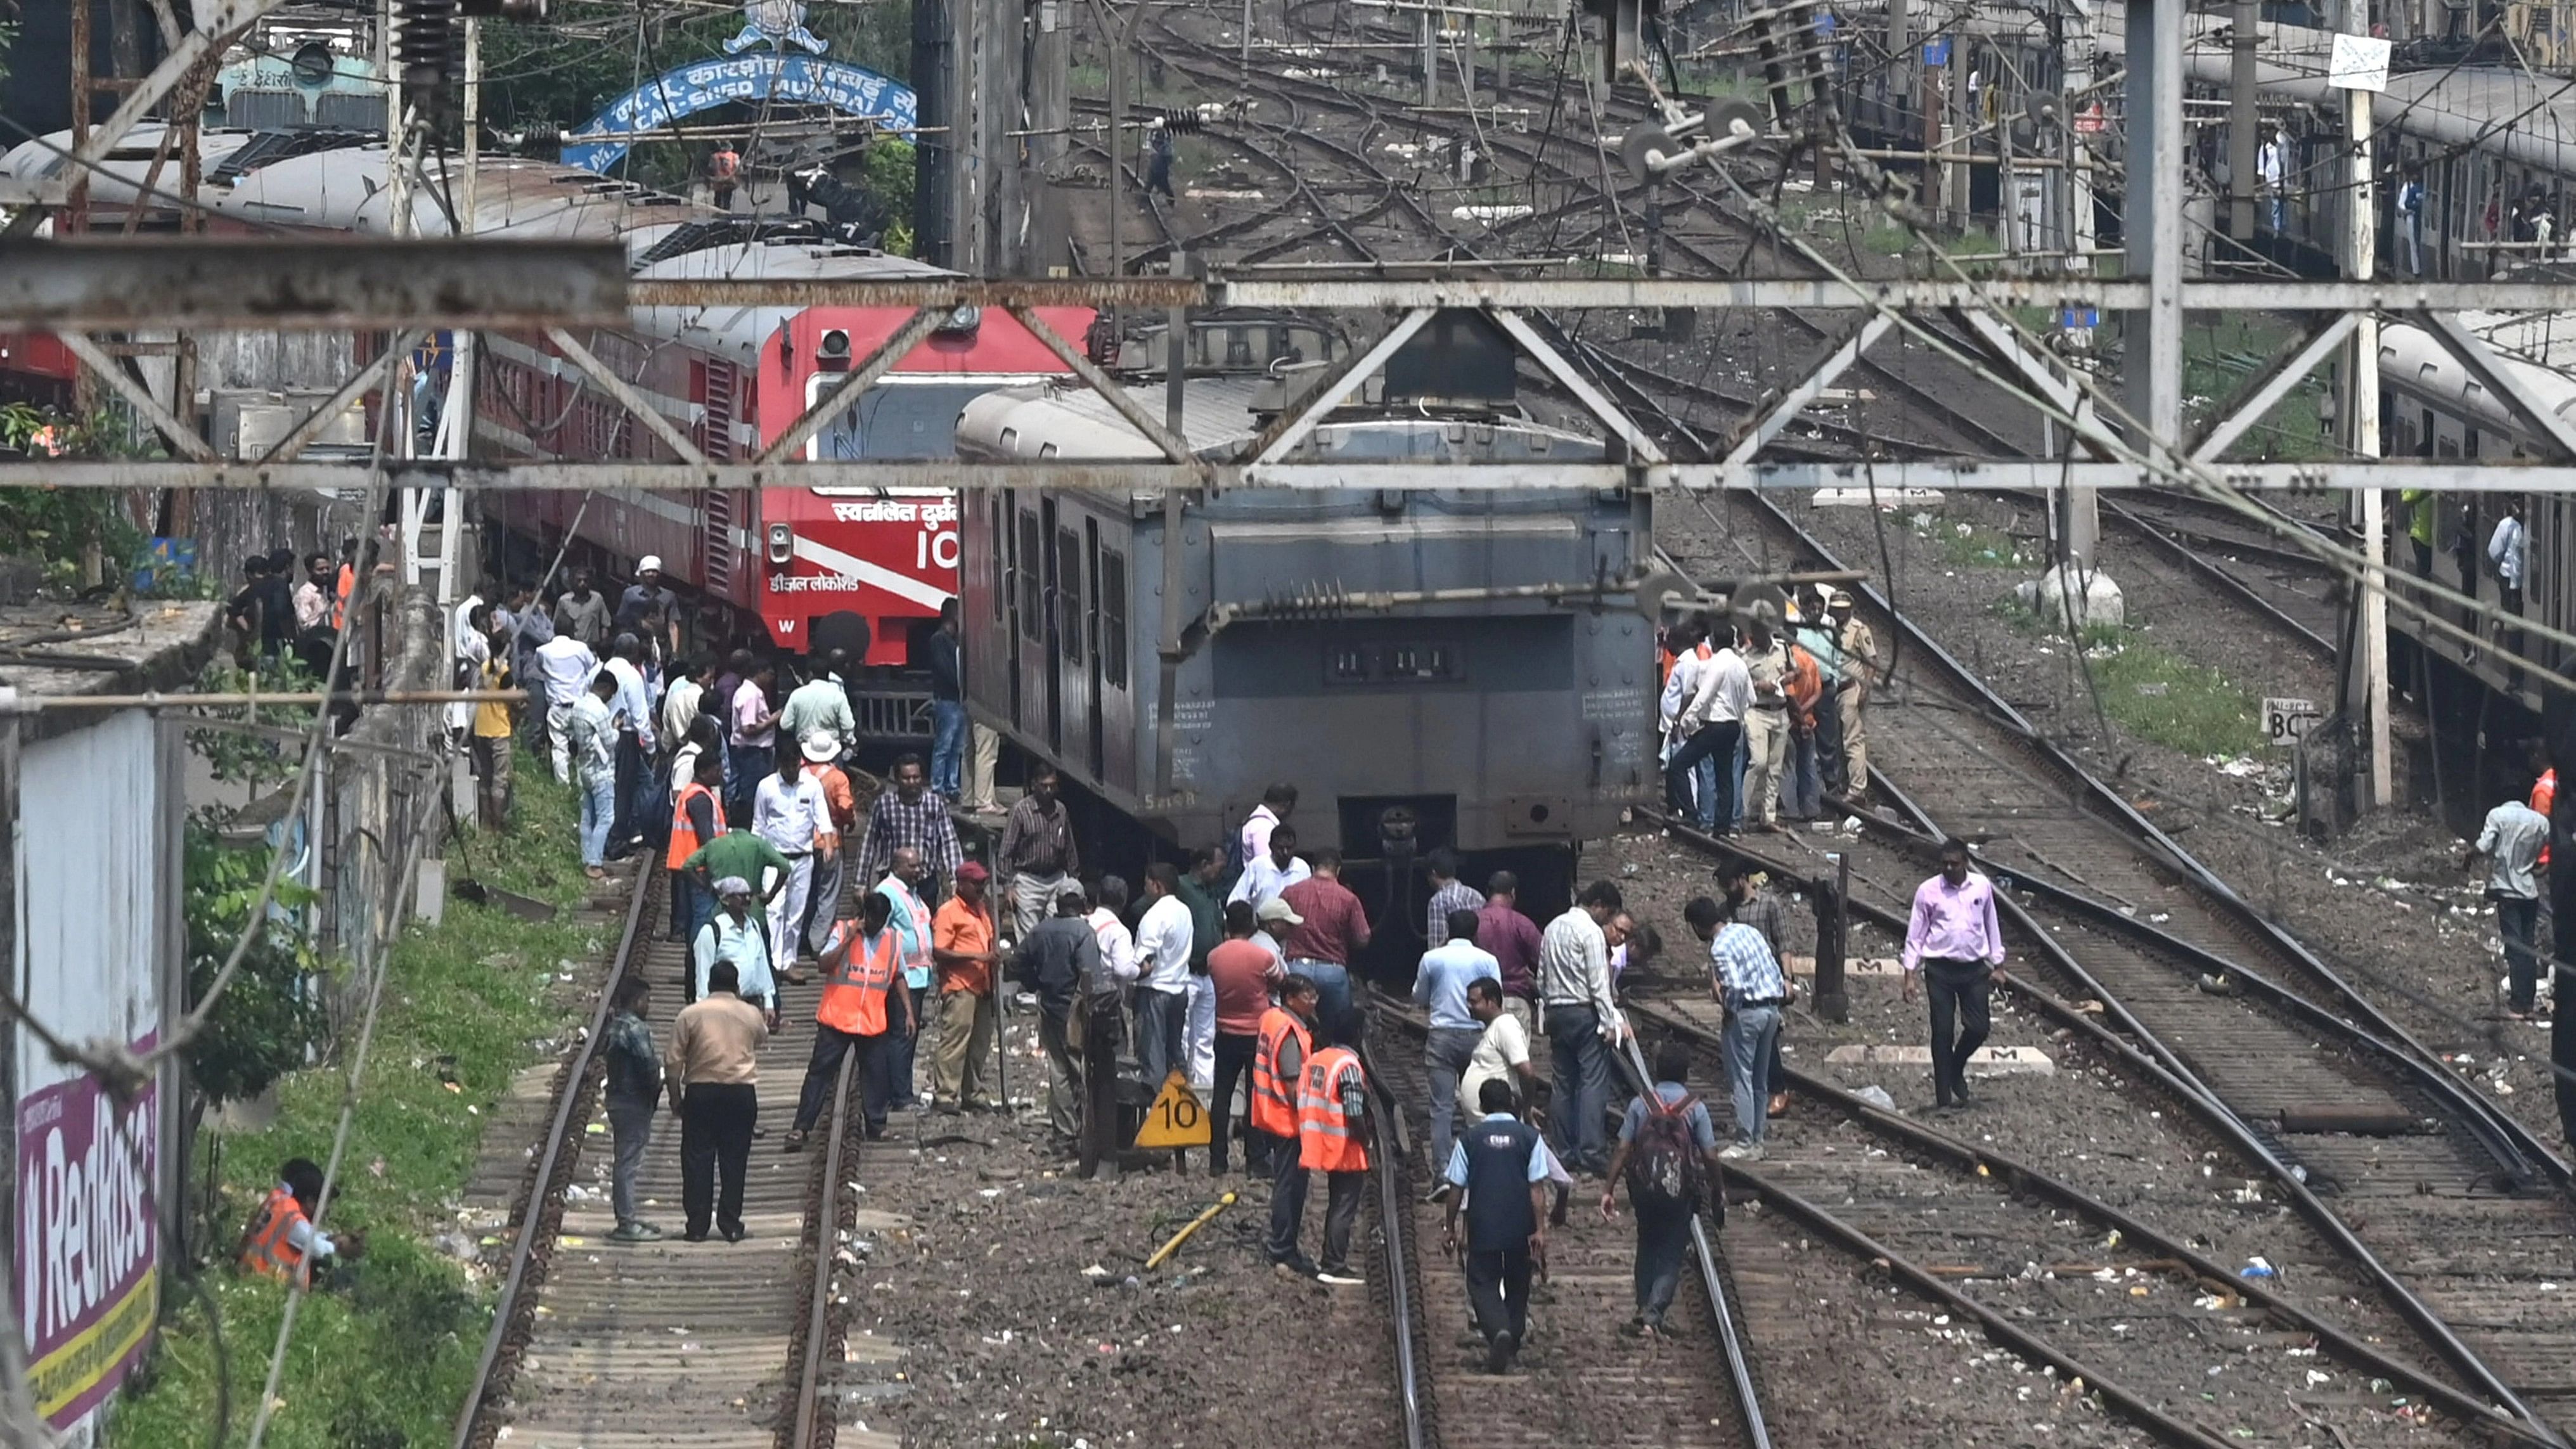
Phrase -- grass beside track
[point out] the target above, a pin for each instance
(385, 1363)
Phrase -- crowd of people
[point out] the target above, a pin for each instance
(1236, 973)
(1761, 720)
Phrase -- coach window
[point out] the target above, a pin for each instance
(1113, 618)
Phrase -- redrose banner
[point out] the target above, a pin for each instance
(88, 1240)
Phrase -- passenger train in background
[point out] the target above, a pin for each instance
(865, 569)
(2431, 407)
(2482, 137)
(1490, 719)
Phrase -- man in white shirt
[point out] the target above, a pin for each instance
(637, 789)
(1277, 803)
(565, 664)
(1583, 1020)
(680, 703)
(1713, 723)
(1117, 943)
(1689, 643)
(2509, 549)
(1266, 876)
(788, 811)
(1502, 1052)
(1163, 940)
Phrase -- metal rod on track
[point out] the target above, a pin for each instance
(809, 1388)
(1739, 1366)
(1386, 1140)
(558, 1135)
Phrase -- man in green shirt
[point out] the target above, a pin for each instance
(738, 852)
(1201, 890)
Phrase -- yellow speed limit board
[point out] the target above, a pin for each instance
(1176, 1119)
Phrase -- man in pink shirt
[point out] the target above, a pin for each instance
(1954, 940)
(1333, 930)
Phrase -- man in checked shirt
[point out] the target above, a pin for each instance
(910, 815)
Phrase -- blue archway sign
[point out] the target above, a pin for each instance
(761, 75)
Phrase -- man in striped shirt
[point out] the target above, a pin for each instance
(1747, 981)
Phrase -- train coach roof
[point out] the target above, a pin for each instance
(345, 190)
(745, 328)
(2500, 110)
(1078, 423)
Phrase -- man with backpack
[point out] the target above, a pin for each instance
(1668, 1155)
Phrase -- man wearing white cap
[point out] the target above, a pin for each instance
(735, 934)
(647, 596)
(789, 812)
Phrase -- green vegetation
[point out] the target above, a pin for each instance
(2154, 693)
(384, 1363)
(2224, 353)
(1966, 545)
(78, 533)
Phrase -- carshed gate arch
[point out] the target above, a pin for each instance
(761, 75)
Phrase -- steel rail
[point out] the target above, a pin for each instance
(552, 1162)
(2226, 580)
(1395, 1209)
(1739, 1361)
(2193, 959)
(1998, 1328)
(2519, 1152)
(2021, 1176)
(2166, 1067)
(824, 1229)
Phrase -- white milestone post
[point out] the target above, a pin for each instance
(2360, 69)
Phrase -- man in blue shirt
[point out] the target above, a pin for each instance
(1441, 985)
(1500, 1169)
(1746, 979)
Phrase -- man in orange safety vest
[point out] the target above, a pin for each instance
(862, 968)
(1332, 1138)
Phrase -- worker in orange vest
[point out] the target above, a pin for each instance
(281, 1240)
(1332, 1138)
(697, 817)
(861, 969)
(1278, 1065)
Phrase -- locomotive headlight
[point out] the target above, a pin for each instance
(833, 355)
(782, 543)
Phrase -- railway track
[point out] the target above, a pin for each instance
(2284, 1058)
(603, 1346)
(2081, 1289)
(1576, 1381)
(1300, 99)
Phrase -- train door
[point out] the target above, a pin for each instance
(993, 666)
(1094, 742)
(1070, 721)
(1033, 681)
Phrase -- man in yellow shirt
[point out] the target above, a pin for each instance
(493, 728)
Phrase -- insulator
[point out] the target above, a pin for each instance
(425, 51)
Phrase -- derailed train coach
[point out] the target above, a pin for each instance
(1427, 667)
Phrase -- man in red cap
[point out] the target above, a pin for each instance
(963, 950)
